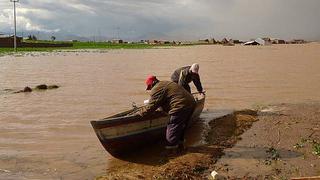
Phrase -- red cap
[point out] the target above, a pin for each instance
(149, 81)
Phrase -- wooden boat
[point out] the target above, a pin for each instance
(127, 131)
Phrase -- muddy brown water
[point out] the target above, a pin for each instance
(47, 134)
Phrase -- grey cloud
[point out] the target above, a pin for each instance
(179, 19)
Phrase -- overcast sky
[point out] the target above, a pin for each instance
(170, 19)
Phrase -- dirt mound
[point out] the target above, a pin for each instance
(284, 143)
(224, 133)
(195, 162)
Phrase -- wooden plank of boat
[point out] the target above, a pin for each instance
(126, 131)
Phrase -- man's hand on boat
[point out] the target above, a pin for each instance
(140, 112)
(203, 92)
(142, 109)
(199, 92)
(145, 102)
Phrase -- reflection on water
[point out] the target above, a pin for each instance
(47, 135)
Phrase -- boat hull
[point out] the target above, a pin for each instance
(122, 133)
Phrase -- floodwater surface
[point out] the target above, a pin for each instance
(47, 134)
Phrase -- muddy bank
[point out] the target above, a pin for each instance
(284, 143)
(281, 141)
(195, 162)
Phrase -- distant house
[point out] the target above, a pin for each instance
(157, 42)
(203, 41)
(259, 41)
(263, 41)
(154, 42)
(8, 41)
(213, 41)
(251, 43)
(224, 41)
(236, 41)
(117, 41)
(267, 41)
(298, 41)
(278, 41)
(144, 41)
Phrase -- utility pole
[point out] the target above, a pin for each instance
(118, 35)
(15, 24)
(99, 35)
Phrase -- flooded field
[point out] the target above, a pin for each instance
(47, 134)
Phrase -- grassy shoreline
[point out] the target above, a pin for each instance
(77, 46)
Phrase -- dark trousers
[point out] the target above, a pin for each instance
(177, 125)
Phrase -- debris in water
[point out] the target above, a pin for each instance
(42, 87)
(4, 170)
(38, 87)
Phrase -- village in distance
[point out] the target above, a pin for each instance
(31, 41)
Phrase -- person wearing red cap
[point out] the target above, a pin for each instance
(174, 100)
(184, 75)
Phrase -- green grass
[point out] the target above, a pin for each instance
(77, 46)
(94, 45)
(316, 148)
(10, 51)
(301, 144)
(45, 41)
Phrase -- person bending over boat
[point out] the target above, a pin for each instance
(184, 75)
(174, 100)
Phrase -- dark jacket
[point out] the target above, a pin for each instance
(183, 77)
(171, 97)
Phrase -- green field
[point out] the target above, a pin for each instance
(78, 46)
